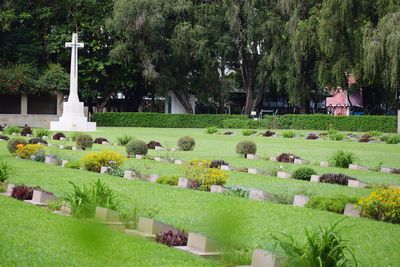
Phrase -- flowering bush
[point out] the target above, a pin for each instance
(12, 144)
(172, 238)
(287, 157)
(382, 204)
(95, 160)
(22, 192)
(26, 151)
(200, 172)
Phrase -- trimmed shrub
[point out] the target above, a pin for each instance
(248, 132)
(26, 130)
(268, 133)
(37, 141)
(168, 180)
(340, 178)
(100, 140)
(186, 143)
(12, 144)
(73, 165)
(58, 136)
(205, 176)
(124, 140)
(135, 147)
(12, 129)
(172, 238)
(287, 158)
(26, 151)
(333, 204)
(95, 160)
(246, 147)
(336, 137)
(312, 136)
(393, 139)
(152, 144)
(342, 159)
(42, 132)
(3, 137)
(303, 173)
(374, 133)
(288, 134)
(211, 130)
(382, 204)
(84, 141)
(22, 192)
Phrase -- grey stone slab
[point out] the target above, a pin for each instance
(356, 184)
(63, 163)
(50, 160)
(179, 162)
(272, 159)
(324, 164)
(128, 174)
(138, 156)
(217, 189)
(107, 215)
(257, 171)
(283, 175)
(300, 161)
(315, 178)
(300, 201)
(252, 157)
(358, 167)
(153, 177)
(10, 188)
(263, 258)
(104, 169)
(388, 170)
(201, 245)
(40, 198)
(226, 167)
(352, 210)
(257, 194)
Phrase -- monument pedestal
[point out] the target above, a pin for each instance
(73, 119)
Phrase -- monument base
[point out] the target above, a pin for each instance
(73, 119)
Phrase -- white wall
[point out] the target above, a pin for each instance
(176, 106)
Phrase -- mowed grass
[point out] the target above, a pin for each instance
(32, 236)
(375, 243)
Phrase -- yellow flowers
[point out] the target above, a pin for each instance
(95, 160)
(382, 204)
(26, 151)
(199, 170)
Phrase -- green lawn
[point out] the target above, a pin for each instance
(375, 243)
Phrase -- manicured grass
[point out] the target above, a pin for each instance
(374, 242)
(32, 236)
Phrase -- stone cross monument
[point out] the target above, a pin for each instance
(73, 117)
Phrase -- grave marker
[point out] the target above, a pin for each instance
(358, 167)
(263, 258)
(104, 169)
(10, 188)
(300, 161)
(128, 174)
(63, 163)
(356, 184)
(153, 178)
(388, 170)
(149, 228)
(257, 194)
(315, 178)
(226, 168)
(324, 164)
(40, 198)
(255, 171)
(300, 201)
(179, 162)
(201, 245)
(50, 160)
(138, 156)
(283, 175)
(217, 189)
(252, 157)
(352, 210)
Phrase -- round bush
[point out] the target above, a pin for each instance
(287, 158)
(246, 147)
(58, 136)
(303, 173)
(12, 144)
(84, 141)
(186, 143)
(342, 159)
(136, 147)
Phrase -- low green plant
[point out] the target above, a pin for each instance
(124, 140)
(12, 129)
(84, 141)
(248, 132)
(342, 159)
(288, 134)
(332, 131)
(323, 247)
(303, 173)
(333, 204)
(55, 204)
(73, 165)
(393, 139)
(104, 196)
(13, 143)
(168, 180)
(6, 170)
(336, 137)
(42, 132)
(237, 191)
(375, 133)
(211, 130)
(136, 147)
(115, 171)
(186, 143)
(246, 147)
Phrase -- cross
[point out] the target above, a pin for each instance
(74, 55)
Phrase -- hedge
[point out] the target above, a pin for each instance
(311, 122)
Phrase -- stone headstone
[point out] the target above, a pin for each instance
(153, 178)
(352, 210)
(257, 194)
(14, 134)
(138, 156)
(40, 197)
(105, 143)
(263, 258)
(179, 162)
(255, 171)
(10, 188)
(61, 146)
(252, 157)
(217, 189)
(283, 175)
(49, 144)
(324, 164)
(226, 168)
(272, 159)
(50, 160)
(45, 137)
(74, 148)
(63, 139)
(300, 161)
(63, 162)
(107, 215)
(358, 167)
(315, 178)
(201, 245)
(356, 184)
(149, 228)
(388, 170)
(128, 174)
(158, 148)
(183, 182)
(104, 169)
(300, 201)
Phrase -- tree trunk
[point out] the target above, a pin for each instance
(184, 100)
